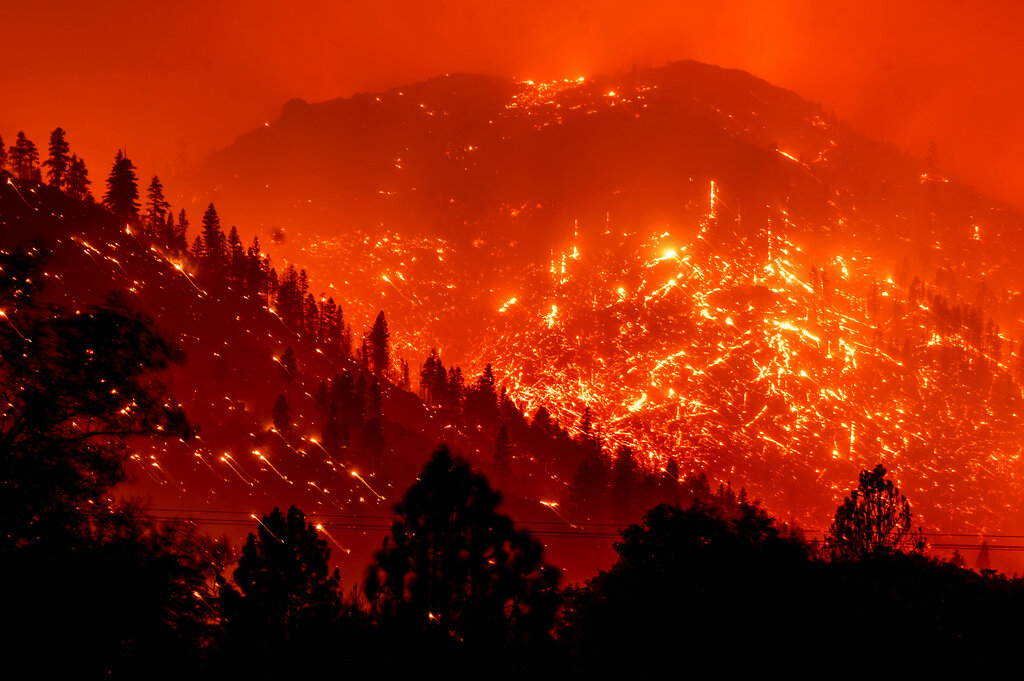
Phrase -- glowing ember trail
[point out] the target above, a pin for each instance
(740, 357)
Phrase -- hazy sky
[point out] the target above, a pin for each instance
(174, 81)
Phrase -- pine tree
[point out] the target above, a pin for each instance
(214, 257)
(156, 207)
(875, 520)
(3, 155)
(428, 385)
(235, 255)
(166, 231)
(196, 252)
(23, 158)
(282, 415)
(77, 179)
(180, 242)
(456, 568)
(58, 161)
(586, 437)
(455, 387)
(284, 601)
(122, 197)
(381, 353)
(76, 387)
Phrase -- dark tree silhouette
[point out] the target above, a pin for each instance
(701, 576)
(282, 415)
(283, 601)
(213, 259)
(112, 591)
(380, 353)
(179, 242)
(873, 521)
(23, 157)
(76, 180)
(58, 161)
(156, 207)
(456, 568)
(3, 155)
(122, 197)
(73, 387)
(235, 255)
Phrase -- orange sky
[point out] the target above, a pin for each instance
(174, 81)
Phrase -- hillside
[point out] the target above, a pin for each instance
(723, 273)
(685, 269)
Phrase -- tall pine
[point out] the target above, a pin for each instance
(76, 181)
(380, 352)
(214, 258)
(23, 159)
(59, 160)
(122, 197)
(156, 207)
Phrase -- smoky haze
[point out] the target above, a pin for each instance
(175, 84)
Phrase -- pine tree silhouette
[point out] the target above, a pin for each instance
(283, 602)
(76, 181)
(156, 207)
(122, 197)
(23, 156)
(58, 161)
(380, 351)
(213, 260)
(455, 567)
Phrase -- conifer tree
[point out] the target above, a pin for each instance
(156, 207)
(456, 568)
(381, 353)
(122, 197)
(166, 232)
(196, 252)
(428, 378)
(77, 179)
(284, 601)
(180, 242)
(235, 255)
(3, 154)
(455, 387)
(875, 520)
(281, 414)
(58, 161)
(24, 156)
(213, 258)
